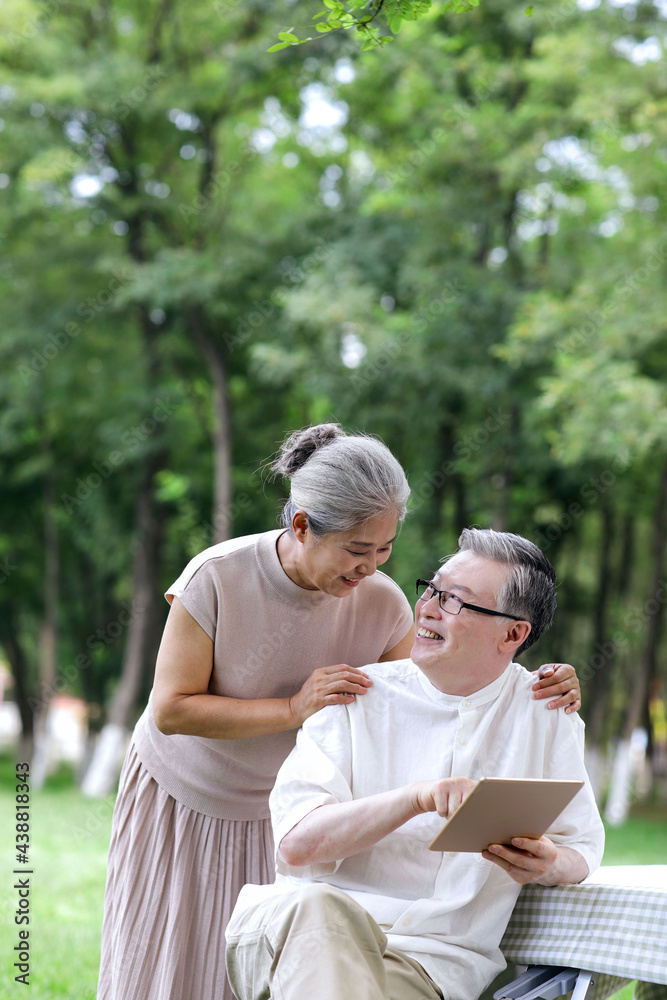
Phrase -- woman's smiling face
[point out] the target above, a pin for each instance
(339, 561)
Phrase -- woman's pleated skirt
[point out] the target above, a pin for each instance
(172, 882)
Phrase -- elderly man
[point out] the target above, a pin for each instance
(361, 907)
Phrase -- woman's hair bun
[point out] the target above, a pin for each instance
(342, 486)
(299, 446)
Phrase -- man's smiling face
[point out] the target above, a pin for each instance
(462, 653)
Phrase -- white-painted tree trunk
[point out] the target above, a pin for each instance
(596, 768)
(618, 801)
(102, 773)
(49, 638)
(39, 767)
(106, 761)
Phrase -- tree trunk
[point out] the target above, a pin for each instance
(599, 666)
(461, 519)
(503, 480)
(627, 559)
(446, 440)
(222, 491)
(602, 653)
(618, 804)
(104, 767)
(18, 662)
(49, 637)
(216, 360)
(103, 770)
(439, 483)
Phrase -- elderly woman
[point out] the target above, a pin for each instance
(263, 631)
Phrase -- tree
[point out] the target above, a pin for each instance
(453, 243)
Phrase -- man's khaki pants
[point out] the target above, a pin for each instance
(315, 943)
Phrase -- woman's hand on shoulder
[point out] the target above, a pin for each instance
(553, 679)
(337, 685)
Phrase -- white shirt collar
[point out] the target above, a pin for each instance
(474, 700)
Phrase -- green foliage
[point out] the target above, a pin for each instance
(457, 246)
(371, 19)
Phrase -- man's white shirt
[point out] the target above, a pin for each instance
(447, 911)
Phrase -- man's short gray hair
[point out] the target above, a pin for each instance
(529, 590)
(340, 480)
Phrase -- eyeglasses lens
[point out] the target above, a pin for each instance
(448, 602)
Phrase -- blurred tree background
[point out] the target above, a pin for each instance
(456, 242)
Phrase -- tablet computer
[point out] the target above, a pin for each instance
(499, 809)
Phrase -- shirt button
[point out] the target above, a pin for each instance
(463, 741)
(406, 921)
(453, 854)
(466, 703)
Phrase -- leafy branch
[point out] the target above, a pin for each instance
(359, 15)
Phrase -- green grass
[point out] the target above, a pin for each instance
(640, 841)
(69, 841)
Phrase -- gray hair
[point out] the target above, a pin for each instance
(529, 590)
(340, 480)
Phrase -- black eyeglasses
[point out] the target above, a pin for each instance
(453, 604)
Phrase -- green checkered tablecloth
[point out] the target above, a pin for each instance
(615, 922)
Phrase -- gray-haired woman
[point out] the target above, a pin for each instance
(258, 638)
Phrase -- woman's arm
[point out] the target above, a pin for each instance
(558, 679)
(182, 702)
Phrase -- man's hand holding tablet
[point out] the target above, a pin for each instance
(505, 819)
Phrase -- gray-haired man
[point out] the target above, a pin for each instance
(361, 908)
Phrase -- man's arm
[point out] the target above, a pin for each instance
(338, 830)
(539, 861)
